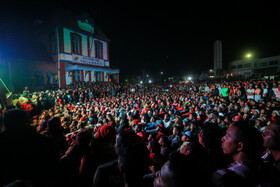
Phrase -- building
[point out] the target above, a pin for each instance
(59, 48)
(268, 67)
(79, 48)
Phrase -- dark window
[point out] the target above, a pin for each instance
(274, 62)
(239, 66)
(76, 44)
(247, 65)
(98, 50)
(263, 63)
(233, 67)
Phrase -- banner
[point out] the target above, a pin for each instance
(88, 60)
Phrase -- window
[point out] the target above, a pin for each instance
(76, 43)
(263, 63)
(247, 65)
(233, 67)
(274, 62)
(98, 49)
(99, 76)
(239, 66)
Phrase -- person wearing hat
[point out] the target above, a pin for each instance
(275, 115)
(161, 131)
(186, 138)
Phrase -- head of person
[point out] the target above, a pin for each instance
(14, 119)
(179, 169)
(243, 138)
(271, 136)
(176, 130)
(210, 137)
(163, 141)
(54, 123)
(154, 147)
(106, 133)
(132, 153)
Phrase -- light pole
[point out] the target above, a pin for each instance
(249, 57)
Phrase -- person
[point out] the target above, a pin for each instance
(25, 154)
(69, 163)
(171, 174)
(156, 159)
(186, 138)
(101, 151)
(164, 147)
(244, 143)
(174, 138)
(257, 93)
(210, 137)
(133, 158)
(225, 92)
(270, 168)
(54, 132)
(250, 92)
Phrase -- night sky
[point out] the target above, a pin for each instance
(175, 37)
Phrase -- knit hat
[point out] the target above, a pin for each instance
(238, 118)
(277, 112)
(106, 133)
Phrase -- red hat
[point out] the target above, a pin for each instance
(238, 118)
(106, 133)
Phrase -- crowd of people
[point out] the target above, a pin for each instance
(105, 134)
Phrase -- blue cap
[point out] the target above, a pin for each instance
(188, 133)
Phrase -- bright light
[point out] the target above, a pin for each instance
(147, 75)
(161, 73)
(189, 78)
(141, 82)
(150, 81)
(249, 55)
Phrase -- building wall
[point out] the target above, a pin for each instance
(87, 44)
(257, 66)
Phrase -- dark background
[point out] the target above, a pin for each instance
(175, 37)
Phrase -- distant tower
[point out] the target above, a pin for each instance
(217, 58)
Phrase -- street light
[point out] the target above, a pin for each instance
(150, 81)
(189, 78)
(248, 55)
(141, 82)
(161, 73)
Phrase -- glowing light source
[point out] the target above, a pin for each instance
(150, 81)
(248, 55)
(141, 82)
(189, 78)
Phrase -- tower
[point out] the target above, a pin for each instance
(217, 58)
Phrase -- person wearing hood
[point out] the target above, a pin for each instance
(101, 151)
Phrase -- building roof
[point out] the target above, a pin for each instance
(69, 18)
